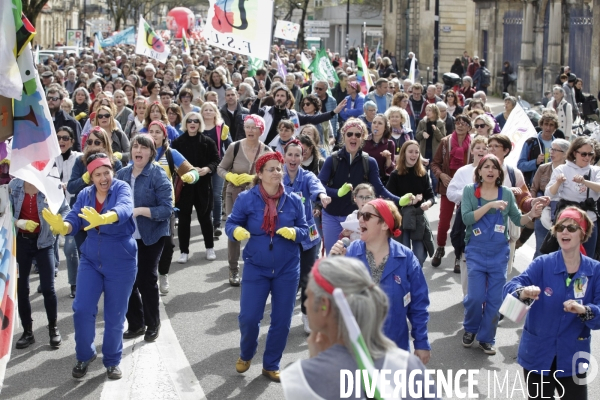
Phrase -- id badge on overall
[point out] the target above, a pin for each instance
(580, 287)
(499, 228)
(313, 233)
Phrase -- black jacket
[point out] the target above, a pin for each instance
(235, 122)
(339, 94)
(61, 119)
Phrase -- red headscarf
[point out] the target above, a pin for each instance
(258, 121)
(384, 210)
(160, 125)
(575, 216)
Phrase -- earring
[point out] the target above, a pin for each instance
(324, 308)
(480, 178)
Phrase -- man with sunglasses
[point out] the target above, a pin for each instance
(60, 118)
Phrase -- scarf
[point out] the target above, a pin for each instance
(270, 214)
(457, 155)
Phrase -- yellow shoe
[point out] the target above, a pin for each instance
(272, 375)
(242, 366)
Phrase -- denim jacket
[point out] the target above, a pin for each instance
(153, 190)
(17, 194)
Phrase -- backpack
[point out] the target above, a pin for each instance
(335, 160)
(486, 77)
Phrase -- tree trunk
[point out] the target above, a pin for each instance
(301, 31)
(33, 8)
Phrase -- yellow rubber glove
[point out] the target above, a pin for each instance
(5, 161)
(188, 177)
(233, 178)
(27, 225)
(118, 155)
(288, 233)
(344, 190)
(245, 178)
(86, 178)
(80, 115)
(224, 132)
(91, 215)
(240, 234)
(57, 225)
(405, 200)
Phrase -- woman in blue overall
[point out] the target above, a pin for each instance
(486, 207)
(397, 271)
(559, 323)
(272, 217)
(108, 262)
(306, 185)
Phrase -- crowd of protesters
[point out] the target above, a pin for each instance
(294, 164)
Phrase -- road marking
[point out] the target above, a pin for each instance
(154, 370)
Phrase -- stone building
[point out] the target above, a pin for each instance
(538, 37)
(409, 26)
(52, 23)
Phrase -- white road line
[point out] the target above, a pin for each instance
(154, 370)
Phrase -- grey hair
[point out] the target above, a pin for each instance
(468, 79)
(441, 105)
(560, 89)
(562, 143)
(512, 99)
(248, 92)
(479, 94)
(321, 81)
(236, 75)
(369, 104)
(368, 302)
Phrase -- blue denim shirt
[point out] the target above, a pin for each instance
(153, 190)
(17, 194)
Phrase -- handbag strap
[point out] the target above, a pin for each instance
(255, 158)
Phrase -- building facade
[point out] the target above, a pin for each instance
(52, 23)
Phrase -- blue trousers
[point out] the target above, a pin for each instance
(257, 284)
(115, 278)
(486, 269)
(540, 234)
(417, 246)
(590, 245)
(217, 186)
(72, 256)
(332, 227)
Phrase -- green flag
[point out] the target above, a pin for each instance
(254, 64)
(322, 69)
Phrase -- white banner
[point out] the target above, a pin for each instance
(286, 30)
(518, 128)
(240, 26)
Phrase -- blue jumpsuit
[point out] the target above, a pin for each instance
(404, 284)
(108, 264)
(271, 265)
(487, 252)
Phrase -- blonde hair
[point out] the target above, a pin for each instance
(218, 119)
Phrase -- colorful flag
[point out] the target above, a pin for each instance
(321, 68)
(361, 352)
(97, 45)
(366, 52)
(281, 69)
(149, 43)
(243, 27)
(377, 51)
(363, 76)
(185, 46)
(8, 281)
(518, 128)
(11, 84)
(286, 30)
(126, 36)
(34, 143)
(254, 64)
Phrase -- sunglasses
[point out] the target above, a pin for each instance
(103, 116)
(366, 215)
(356, 134)
(63, 138)
(193, 121)
(571, 228)
(480, 126)
(449, 95)
(591, 154)
(52, 98)
(90, 142)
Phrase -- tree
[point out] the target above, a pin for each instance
(32, 8)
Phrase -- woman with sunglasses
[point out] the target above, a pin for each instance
(484, 125)
(271, 216)
(311, 105)
(238, 168)
(564, 315)
(410, 179)
(577, 182)
(97, 141)
(153, 206)
(309, 188)
(351, 167)
(486, 208)
(201, 152)
(397, 272)
(119, 142)
(65, 163)
(107, 266)
(453, 104)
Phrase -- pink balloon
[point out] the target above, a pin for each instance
(180, 19)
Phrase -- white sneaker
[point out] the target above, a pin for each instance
(164, 283)
(305, 322)
(210, 254)
(183, 258)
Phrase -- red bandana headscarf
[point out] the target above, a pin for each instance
(384, 210)
(258, 121)
(575, 216)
